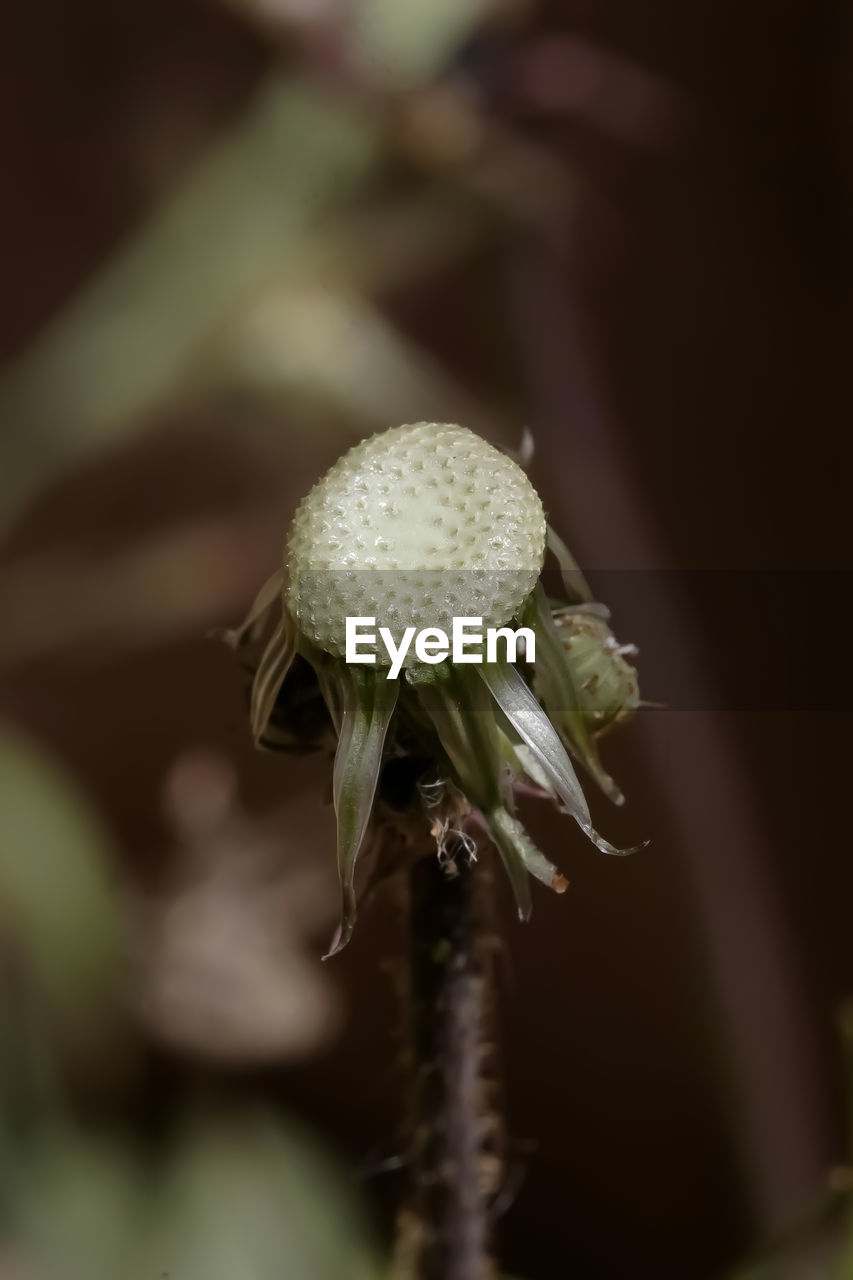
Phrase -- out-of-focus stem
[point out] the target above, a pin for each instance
(456, 1132)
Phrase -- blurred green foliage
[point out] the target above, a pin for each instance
(245, 1196)
(58, 908)
(134, 336)
(232, 1195)
(820, 1247)
(229, 1194)
(404, 45)
(257, 271)
(254, 272)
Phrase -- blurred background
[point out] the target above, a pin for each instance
(237, 238)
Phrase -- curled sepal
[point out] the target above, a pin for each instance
(532, 725)
(252, 625)
(269, 677)
(512, 857)
(553, 682)
(521, 856)
(367, 701)
(575, 584)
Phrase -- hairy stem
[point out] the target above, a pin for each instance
(456, 1132)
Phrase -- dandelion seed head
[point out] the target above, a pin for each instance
(399, 496)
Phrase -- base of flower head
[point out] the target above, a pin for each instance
(485, 727)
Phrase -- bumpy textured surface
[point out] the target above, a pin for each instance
(414, 526)
(606, 685)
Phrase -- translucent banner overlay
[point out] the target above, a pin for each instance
(738, 640)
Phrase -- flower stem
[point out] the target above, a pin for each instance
(456, 1133)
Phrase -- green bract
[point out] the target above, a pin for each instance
(413, 527)
(608, 693)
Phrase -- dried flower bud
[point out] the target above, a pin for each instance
(606, 684)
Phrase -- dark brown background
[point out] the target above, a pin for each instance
(687, 381)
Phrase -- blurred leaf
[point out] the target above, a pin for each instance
(317, 345)
(244, 1198)
(239, 1196)
(68, 600)
(131, 338)
(820, 1246)
(78, 1207)
(56, 899)
(402, 43)
(811, 1251)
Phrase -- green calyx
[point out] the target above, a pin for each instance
(484, 732)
